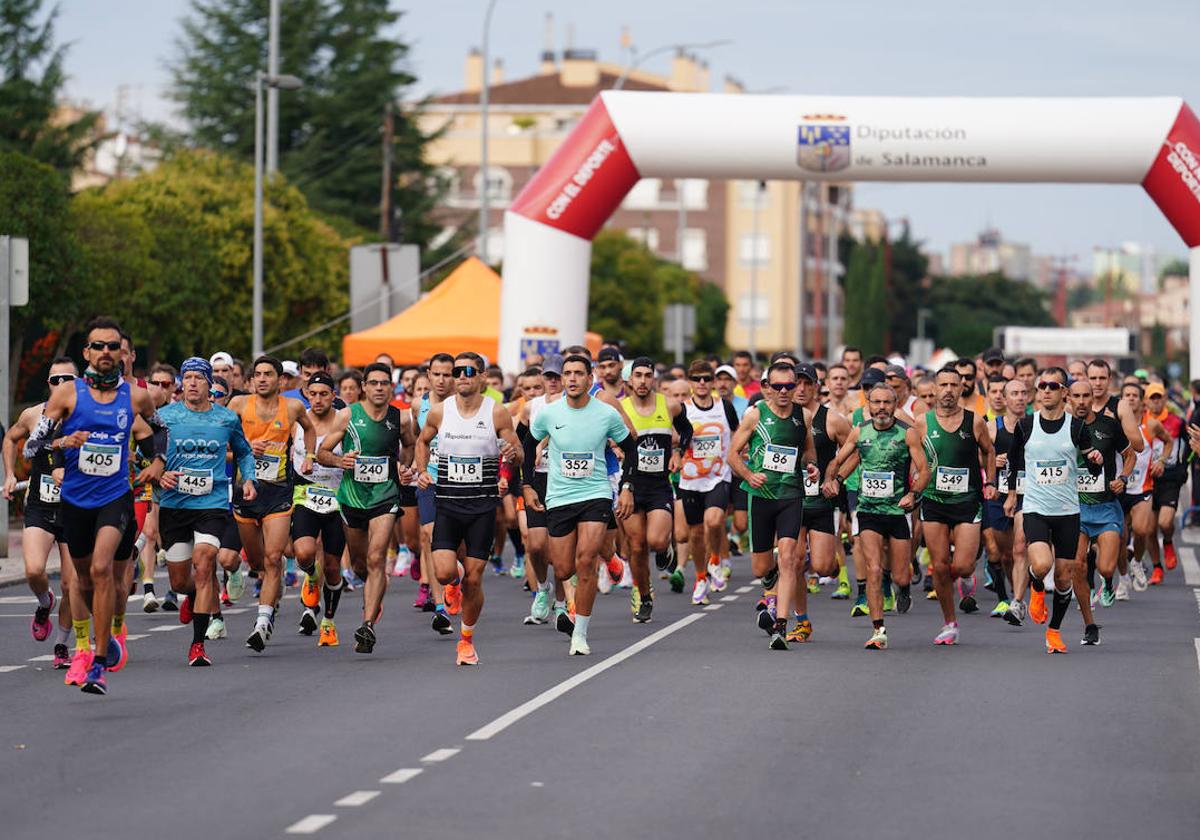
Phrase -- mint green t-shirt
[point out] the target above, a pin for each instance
(575, 455)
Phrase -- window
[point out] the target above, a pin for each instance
(754, 309)
(499, 184)
(695, 249)
(648, 236)
(748, 191)
(644, 195)
(694, 192)
(754, 249)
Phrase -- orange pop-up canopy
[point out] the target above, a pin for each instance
(462, 313)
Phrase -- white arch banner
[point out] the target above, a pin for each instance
(628, 135)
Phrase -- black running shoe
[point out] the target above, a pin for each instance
(171, 602)
(917, 574)
(441, 623)
(308, 622)
(1091, 635)
(771, 578)
(645, 608)
(778, 642)
(903, 600)
(766, 621)
(364, 639)
(662, 559)
(563, 623)
(968, 605)
(257, 640)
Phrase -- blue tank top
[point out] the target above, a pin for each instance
(98, 472)
(422, 413)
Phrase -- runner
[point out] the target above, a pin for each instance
(316, 515)
(161, 385)
(1016, 399)
(1137, 500)
(44, 527)
(887, 450)
(578, 494)
(446, 601)
(649, 526)
(840, 398)
(852, 361)
(1048, 444)
(264, 522)
(781, 459)
(1170, 481)
(95, 415)
(957, 443)
(372, 433)
(998, 528)
(194, 496)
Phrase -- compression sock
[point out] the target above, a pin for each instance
(997, 573)
(1035, 582)
(332, 595)
(199, 626)
(83, 634)
(1058, 611)
(514, 536)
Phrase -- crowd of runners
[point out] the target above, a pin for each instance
(604, 474)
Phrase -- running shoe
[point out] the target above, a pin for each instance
(766, 614)
(860, 607)
(1169, 556)
(118, 650)
(62, 657)
(917, 574)
(216, 629)
(1095, 597)
(988, 584)
(927, 586)
(842, 593)
(94, 682)
(930, 593)
(150, 602)
(517, 569)
(441, 623)
(726, 568)
(171, 602)
(497, 563)
(966, 592)
(563, 622)
(453, 597)
(310, 593)
(197, 658)
(1137, 573)
(1156, 577)
(1016, 613)
(579, 646)
(258, 583)
(226, 601)
(539, 610)
(465, 653)
(889, 600)
(1054, 642)
(185, 610)
(1107, 596)
(700, 592)
(676, 581)
(1122, 593)
(257, 640)
(802, 632)
(626, 577)
(364, 639)
(999, 610)
(1037, 607)
(662, 559)
(644, 611)
(878, 640)
(604, 583)
(424, 596)
(236, 585)
(778, 640)
(1091, 635)
(328, 637)
(80, 662)
(716, 582)
(616, 569)
(903, 601)
(308, 622)
(40, 628)
(814, 586)
(947, 636)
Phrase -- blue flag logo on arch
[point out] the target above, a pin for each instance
(823, 146)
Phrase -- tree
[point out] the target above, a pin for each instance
(31, 121)
(1174, 268)
(330, 131)
(967, 309)
(865, 311)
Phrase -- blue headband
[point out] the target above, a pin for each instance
(197, 364)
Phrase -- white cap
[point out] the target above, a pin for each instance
(221, 358)
(726, 369)
(290, 368)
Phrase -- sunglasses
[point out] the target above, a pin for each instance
(701, 378)
(781, 386)
(163, 383)
(1050, 386)
(469, 371)
(217, 395)
(105, 345)
(378, 383)
(60, 378)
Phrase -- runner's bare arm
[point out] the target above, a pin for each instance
(433, 421)
(299, 414)
(916, 452)
(325, 456)
(12, 439)
(1131, 427)
(740, 439)
(988, 450)
(842, 465)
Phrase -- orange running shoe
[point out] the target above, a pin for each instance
(453, 598)
(310, 595)
(1054, 642)
(616, 569)
(466, 653)
(1037, 607)
(329, 636)
(1156, 577)
(1169, 558)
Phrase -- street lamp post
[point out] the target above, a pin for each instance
(283, 82)
(483, 137)
(638, 59)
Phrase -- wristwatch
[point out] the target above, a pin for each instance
(626, 486)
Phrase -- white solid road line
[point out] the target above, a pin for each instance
(162, 628)
(728, 598)
(4, 669)
(46, 657)
(1191, 569)
(742, 590)
(401, 776)
(359, 797)
(551, 694)
(133, 637)
(442, 754)
(713, 607)
(311, 824)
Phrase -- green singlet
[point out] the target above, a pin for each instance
(776, 446)
(885, 464)
(373, 481)
(953, 461)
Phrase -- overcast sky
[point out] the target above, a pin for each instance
(920, 47)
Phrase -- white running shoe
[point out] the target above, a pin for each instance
(1137, 573)
(150, 602)
(216, 629)
(604, 580)
(700, 593)
(716, 580)
(579, 646)
(1122, 589)
(626, 576)
(948, 636)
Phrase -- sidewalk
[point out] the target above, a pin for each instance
(12, 567)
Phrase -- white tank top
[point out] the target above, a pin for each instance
(705, 464)
(329, 477)
(1140, 480)
(468, 454)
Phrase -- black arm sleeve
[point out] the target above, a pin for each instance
(148, 446)
(1080, 439)
(684, 428)
(529, 464)
(629, 464)
(159, 428)
(731, 415)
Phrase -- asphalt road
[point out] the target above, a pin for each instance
(687, 727)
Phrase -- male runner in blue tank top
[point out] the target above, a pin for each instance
(94, 416)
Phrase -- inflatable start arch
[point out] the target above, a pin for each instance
(627, 135)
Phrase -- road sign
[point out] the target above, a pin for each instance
(679, 329)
